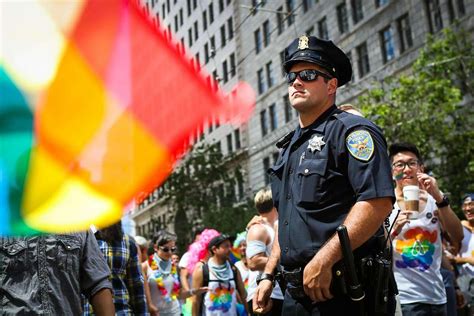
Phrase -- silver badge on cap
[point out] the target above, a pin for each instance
(315, 143)
(303, 43)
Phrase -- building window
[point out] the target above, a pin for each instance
(270, 80)
(181, 20)
(363, 60)
(404, 33)
(230, 28)
(290, 6)
(266, 33)
(266, 166)
(163, 11)
(280, 23)
(196, 31)
(213, 46)
(225, 71)
(211, 13)
(288, 109)
(258, 40)
(204, 20)
(189, 7)
(176, 24)
(194, 4)
(221, 6)
(387, 44)
(237, 139)
(232, 65)
(261, 83)
(206, 53)
(310, 31)
(461, 7)
(215, 76)
(379, 3)
(254, 7)
(323, 29)
(307, 4)
(282, 57)
(263, 122)
(435, 20)
(273, 117)
(357, 12)
(190, 37)
(223, 39)
(229, 144)
(342, 21)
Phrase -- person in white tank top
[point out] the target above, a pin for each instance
(416, 237)
(260, 239)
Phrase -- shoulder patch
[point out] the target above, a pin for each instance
(360, 145)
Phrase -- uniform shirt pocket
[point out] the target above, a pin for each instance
(311, 179)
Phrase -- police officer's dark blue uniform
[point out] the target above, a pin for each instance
(323, 170)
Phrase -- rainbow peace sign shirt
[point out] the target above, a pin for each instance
(221, 298)
(417, 252)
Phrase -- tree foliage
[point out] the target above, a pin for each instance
(433, 108)
(201, 192)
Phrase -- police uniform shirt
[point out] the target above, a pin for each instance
(320, 174)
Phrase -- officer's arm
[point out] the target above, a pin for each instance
(362, 222)
(257, 235)
(274, 258)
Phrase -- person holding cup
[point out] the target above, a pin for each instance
(420, 213)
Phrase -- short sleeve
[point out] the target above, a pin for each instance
(183, 263)
(94, 269)
(368, 165)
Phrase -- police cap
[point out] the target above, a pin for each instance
(321, 52)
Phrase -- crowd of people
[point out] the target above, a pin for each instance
(350, 226)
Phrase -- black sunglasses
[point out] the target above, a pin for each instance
(167, 249)
(306, 75)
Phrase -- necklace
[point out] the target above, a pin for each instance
(160, 273)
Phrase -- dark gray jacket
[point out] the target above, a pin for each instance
(45, 275)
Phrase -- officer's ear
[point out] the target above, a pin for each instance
(332, 86)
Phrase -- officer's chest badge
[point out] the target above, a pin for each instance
(360, 145)
(303, 42)
(315, 143)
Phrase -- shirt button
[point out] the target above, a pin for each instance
(286, 222)
(306, 170)
(286, 249)
(288, 196)
(291, 171)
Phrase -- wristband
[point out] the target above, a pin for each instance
(191, 292)
(265, 276)
(443, 203)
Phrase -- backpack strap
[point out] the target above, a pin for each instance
(205, 274)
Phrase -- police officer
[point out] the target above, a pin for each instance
(333, 169)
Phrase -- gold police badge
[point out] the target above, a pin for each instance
(303, 42)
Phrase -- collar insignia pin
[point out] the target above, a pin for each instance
(303, 42)
(315, 143)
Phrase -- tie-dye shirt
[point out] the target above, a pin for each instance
(417, 254)
(221, 298)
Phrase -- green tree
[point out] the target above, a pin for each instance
(201, 192)
(432, 108)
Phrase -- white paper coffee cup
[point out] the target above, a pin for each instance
(411, 197)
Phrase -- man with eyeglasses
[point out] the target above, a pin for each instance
(416, 235)
(332, 169)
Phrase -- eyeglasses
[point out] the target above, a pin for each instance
(400, 165)
(305, 75)
(167, 249)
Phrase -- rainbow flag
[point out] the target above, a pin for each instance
(97, 103)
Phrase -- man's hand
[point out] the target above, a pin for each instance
(402, 220)
(257, 219)
(430, 185)
(261, 302)
(317, 278)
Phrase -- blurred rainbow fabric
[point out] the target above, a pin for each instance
(97, 103)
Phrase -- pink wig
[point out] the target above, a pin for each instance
(198, 249)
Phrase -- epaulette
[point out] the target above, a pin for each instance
(285, 140)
